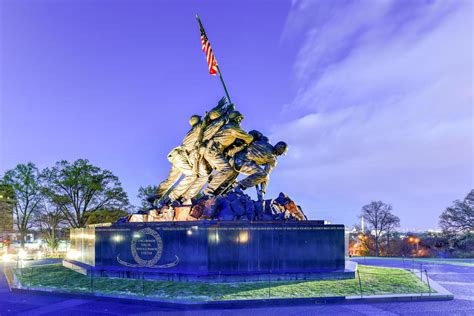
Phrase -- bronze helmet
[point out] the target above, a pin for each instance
(214, 114)
(236, 116)
(280, 148)
(194, 120)
(256, 134)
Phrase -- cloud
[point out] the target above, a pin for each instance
(385, 104)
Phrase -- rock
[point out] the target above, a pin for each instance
(232, 196)
(181, 213)
(283, 199)
(289, 205)
(153, 215)
(124, 219)
(138, 218)
(266, 217)
(295, 211)
(258, 206)
(210, 207)
(166, 214)
(276, 209)
(196, 211)
(236, 205)
(225, 210)
(279, 217)
(250, 209)
(268, 207)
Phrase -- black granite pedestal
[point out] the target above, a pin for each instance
(211, 250)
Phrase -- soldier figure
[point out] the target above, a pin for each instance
(214, 152)
(230, 152)
(182, 160)
(213, 122)
(257, 161)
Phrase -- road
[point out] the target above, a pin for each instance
(457, 279)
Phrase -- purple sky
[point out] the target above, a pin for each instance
(375, 98)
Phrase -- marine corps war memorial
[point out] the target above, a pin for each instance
(203, 226)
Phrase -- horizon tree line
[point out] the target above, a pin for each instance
(456, 222)
(67, 195)
(73, 195)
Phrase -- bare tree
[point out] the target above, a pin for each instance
(379, 220)
(49, 222)
(24, 180)
(392, 223)
(459, 217)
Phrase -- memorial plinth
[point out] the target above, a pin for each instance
(212, 250)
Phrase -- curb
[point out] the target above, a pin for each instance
(246, 303)
(9, 276)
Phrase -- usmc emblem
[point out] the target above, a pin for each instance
(146, 249)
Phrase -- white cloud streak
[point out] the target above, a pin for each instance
(386, 88)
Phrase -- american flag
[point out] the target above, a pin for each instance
(211, 59)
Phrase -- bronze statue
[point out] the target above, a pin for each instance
(214, 152)
(213, 122)
(257, 161)
(230, 152)
(181, 159)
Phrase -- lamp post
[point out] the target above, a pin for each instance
(416, 242)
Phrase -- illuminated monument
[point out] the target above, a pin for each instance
(202, 226)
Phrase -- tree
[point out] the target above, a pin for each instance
(459, 217)
(392, 223)
(24, 181)
(379, 220)
(49, 222)
(143, 193)
(105, 216)
(80, 188)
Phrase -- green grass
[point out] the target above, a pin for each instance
(375, 281)
(453, 261)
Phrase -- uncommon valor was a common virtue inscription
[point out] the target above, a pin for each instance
(146, 249)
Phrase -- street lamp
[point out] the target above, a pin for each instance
(417, 241)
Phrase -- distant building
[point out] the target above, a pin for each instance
(6, 217)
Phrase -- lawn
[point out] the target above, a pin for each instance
(374, 280)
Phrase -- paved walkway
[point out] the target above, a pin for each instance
(458, 280)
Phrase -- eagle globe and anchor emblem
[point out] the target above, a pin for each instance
(143, 246)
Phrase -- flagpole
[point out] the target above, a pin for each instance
(217, 64)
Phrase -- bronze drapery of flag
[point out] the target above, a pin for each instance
(210, 57)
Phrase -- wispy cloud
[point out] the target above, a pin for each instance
(386, 92)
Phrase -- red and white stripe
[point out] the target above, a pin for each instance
(211, 59)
